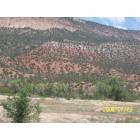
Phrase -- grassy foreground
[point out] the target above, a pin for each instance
(75, 110)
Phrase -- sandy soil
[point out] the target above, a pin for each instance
(58, 110)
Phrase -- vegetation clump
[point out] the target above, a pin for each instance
(114, 89)
(20, 107)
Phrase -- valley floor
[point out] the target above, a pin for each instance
(56, 110)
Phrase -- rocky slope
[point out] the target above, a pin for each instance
(43, 46)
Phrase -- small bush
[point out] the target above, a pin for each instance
(114, 89)
(19, 107)
(102, 90)
(54, 90)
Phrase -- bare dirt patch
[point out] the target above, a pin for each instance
(56, 110)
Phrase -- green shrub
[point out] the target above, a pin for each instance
(106, 88)
(102, 90)
(53, 90)
(111, 88)
(19, 107)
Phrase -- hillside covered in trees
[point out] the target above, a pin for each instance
(67, 49)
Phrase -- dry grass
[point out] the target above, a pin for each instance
(81, 111)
